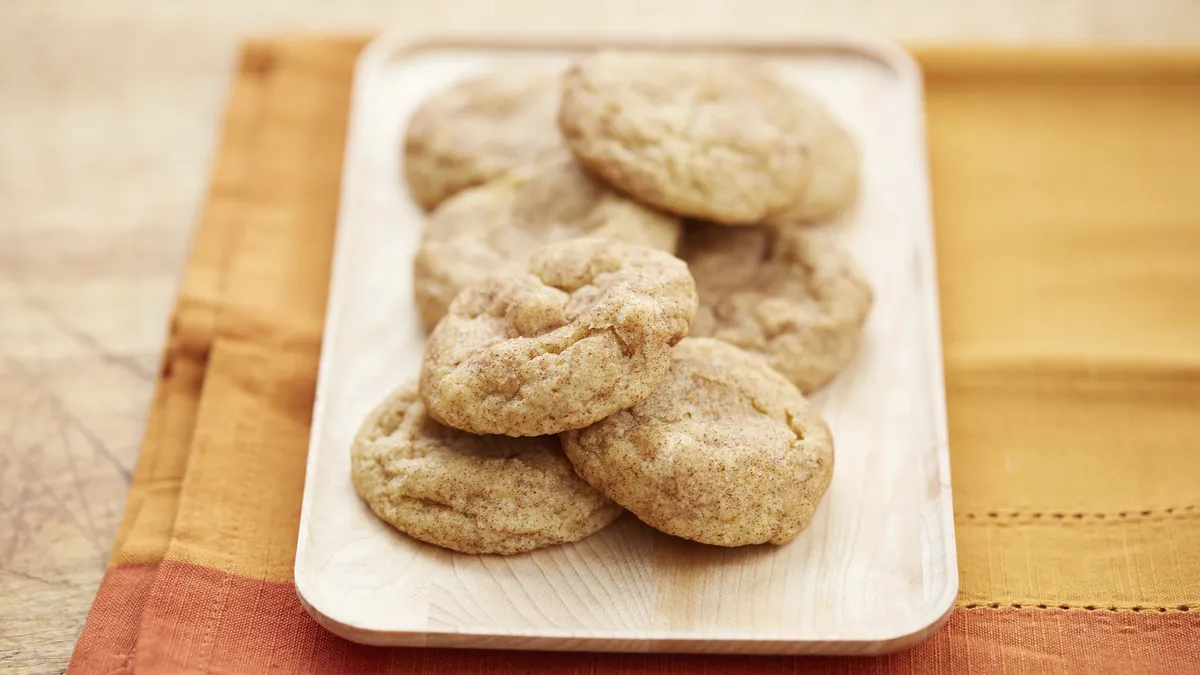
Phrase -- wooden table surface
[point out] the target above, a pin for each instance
(109, 113)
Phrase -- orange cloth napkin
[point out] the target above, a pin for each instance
(1067, 203)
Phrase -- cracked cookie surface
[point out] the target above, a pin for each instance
(480, 129)
(780, 292)
(836, 165)
(586, 331)
(469, 493)
(707, 136)
(499, 225)
(725, 451)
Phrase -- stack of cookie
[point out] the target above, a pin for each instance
(559, 385)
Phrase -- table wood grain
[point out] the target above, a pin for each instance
(109, 113)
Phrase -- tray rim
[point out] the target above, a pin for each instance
(399, 42)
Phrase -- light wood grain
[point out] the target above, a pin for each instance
(108, 116)
(875, 570)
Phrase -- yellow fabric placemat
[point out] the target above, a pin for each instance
(1067, 206)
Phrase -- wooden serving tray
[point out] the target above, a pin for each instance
(876, 569)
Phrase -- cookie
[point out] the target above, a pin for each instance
(475, 494)
(585, 332)
(497, 226)
(725, 451)
(478, 130)
(708, 136)
(781, 292)
(836, 164)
